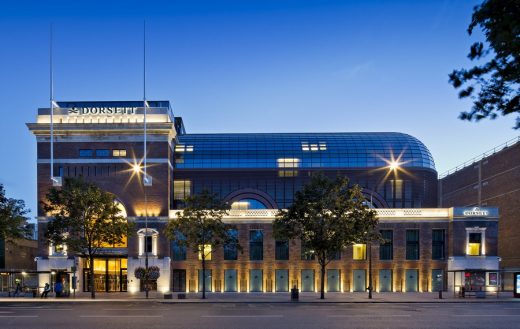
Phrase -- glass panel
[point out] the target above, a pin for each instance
(386, 247)
(412, 244)
(282, 250)
(256, 245)
(438, 244)
(230, 250)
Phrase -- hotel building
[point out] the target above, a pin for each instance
(427, 248)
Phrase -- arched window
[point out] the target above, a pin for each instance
(247, 204)
(148, 242)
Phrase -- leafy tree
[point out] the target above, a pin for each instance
(86, 219)
(12, 218)
(327, 216)
(201, 225)
(493, 85)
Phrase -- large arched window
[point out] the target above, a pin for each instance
(248, 204)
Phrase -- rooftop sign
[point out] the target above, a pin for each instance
(108, 110)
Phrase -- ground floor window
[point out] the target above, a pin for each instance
(110, 274)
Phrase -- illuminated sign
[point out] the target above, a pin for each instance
(103, 110)
(476, 211)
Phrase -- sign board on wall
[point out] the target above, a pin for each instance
(475, 212)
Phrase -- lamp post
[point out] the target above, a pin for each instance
(393, 165)
(369, 246)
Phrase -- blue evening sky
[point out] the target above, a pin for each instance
(246, 66)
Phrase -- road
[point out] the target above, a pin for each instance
(129, 315)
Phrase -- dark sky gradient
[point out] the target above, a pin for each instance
(246, 66)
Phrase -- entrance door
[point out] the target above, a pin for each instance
(230, 281)
(360, 283)
(411, 280)
(333, 279)
(207, 277)
(437, 280)
(307, 280)
(385, 280)
(179, 280)
(255, 280)
(281, 280)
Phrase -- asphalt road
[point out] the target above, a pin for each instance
(130, 315)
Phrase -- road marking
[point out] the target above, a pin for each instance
(120, 316)
(5, 312)
(368, 316)
(35, 308)
(135, 309)
(19, 316)
(242, 316)
(485, 315)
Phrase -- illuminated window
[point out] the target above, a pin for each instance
(206, 251)
(119, 153)
(181, 189)
(321, 146)
(288, 163)
(246, 204)
(183, 148)
(359, 251)
(474, 244)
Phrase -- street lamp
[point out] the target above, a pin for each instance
(394, 165)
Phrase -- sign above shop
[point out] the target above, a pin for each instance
(476, 211)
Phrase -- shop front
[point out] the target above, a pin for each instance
(110, 275)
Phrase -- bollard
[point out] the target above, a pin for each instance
(440, 294)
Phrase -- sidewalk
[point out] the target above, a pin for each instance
(357, 297)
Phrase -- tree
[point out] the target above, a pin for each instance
(201, 227)
(86, 219)
(493, 85)
(12, 218)
(327, 216)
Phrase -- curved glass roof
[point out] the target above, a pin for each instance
(301, 150)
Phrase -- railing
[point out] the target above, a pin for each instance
(481, 156)
(382, 213)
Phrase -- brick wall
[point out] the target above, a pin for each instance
(494, 182)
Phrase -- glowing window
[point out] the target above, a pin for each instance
(119, 153)
(359, 251)
(288, 163)
(474, 243)
(206, 250)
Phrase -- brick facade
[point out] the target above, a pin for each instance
(493, 181)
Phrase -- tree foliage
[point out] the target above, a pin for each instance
(86, 219)
(200, 224)
(327, 216)
(13, 218)
(493, 85)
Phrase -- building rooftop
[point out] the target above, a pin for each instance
(301, 150)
